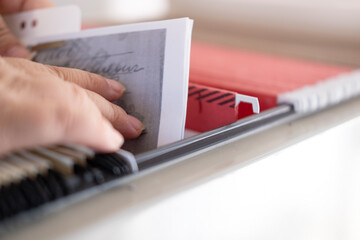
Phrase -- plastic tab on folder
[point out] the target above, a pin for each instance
(209, 108)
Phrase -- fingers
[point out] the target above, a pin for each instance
(109, 89)
(54, 123)
(50, 111)
(82, 123)
(9, 44)
(128, 125)
(96, 85)
(13, 6)
(39, 108)
(103, 138)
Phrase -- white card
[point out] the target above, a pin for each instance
(30, 25)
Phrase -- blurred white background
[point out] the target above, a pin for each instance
(99, 12)
(323, 30)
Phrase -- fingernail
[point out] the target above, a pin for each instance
(136, 124)
(18, 51)
(116, 86)
(114, 139)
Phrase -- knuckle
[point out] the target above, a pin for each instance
(89, 78)
(78, 96)
(94, 80)
(58, 72)
(48, 121)
(117, 114)
(67, 111)
(63, 118)
(14, 83)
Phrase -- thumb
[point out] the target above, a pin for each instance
(10, 46)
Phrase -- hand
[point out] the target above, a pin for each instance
(43, 105)
(10, 46)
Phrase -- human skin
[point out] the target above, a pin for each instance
(43, 105)
(9, 45)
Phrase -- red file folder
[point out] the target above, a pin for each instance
(264, 76)
(256, 74)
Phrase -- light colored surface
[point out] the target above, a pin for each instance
(97, 12)
(306, 191)
(327, 21)
(302, 192)
(322, 30)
